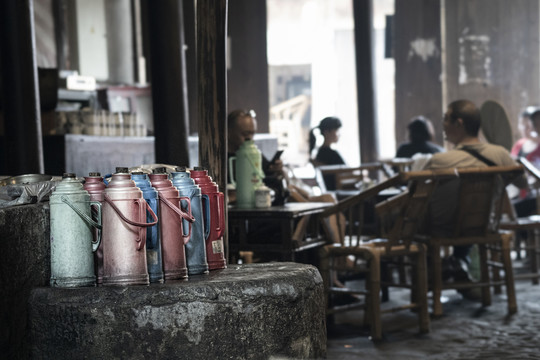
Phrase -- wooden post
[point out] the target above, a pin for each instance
(212, 92)
(364, 78)
(168, 78)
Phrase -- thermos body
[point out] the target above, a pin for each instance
(72, 261)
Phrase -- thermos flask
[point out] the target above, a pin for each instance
(196, 247)
(248, 173)
(153, 242)
(170, 226)
(93, 183)
(72, 261)
(215, 252)
(124, 232)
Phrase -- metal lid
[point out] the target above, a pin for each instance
(181, 168)
(137, 173)
(199, 168)
(69, 175)
(123, 170)
(94, 174)
(160, 170)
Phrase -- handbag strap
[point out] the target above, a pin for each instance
(479, 156)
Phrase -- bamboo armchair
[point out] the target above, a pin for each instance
(480, 193)
(401, 216)
(528, 224)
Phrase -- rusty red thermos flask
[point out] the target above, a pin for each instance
(124, 232)
(215, 252)
(173, 238)
(93, 183)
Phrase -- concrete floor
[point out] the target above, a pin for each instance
(466, 331)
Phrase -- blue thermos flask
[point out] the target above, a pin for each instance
(196, 247)
(153, 241)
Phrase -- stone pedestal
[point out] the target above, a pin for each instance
(253, 311)
(24, 264)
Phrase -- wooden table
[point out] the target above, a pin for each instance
(278, 231)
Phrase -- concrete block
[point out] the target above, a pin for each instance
(253, 311)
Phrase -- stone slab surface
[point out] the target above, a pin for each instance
(24, 264)
(255, 311)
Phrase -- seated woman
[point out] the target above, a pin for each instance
(420, 139)
(329, 129)
(529, 137)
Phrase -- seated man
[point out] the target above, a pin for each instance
(461, 126)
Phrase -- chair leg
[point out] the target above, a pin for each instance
(374, 304)
(420, 290)
(436, 286)
(532, 254)
(508, 274)
(495, 271)
(484, 275)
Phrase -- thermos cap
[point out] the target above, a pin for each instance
(181, 168)
(123, 170)
(160, 170)
(94, 174)
(199, 168)
(68, 175)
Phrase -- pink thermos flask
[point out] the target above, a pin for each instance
(124, 232)
(215, 252)
(173, 236)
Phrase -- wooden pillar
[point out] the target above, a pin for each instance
(417, 51)
(23, 147)
(363, 34)
(492, 52)
(168, 79)
(212, 92)
(191, 63)
(211, 55)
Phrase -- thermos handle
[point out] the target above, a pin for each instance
(81, 213)
(188, 236)
(98, 205)
(207, 217)
(231, 167)
(107, 176)
(181, 214)
(131, 222)
(220, 200)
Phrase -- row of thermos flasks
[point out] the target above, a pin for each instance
(136, 228)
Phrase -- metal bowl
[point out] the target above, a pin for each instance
(25, 179)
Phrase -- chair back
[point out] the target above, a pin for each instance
(346, 177)
(398, 217)
(477, 195)
(401, 216)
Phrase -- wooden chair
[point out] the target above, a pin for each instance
(530, 225)
(358, 255)
(476, 222)
(347, 177)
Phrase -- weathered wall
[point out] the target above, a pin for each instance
(417, 54)
(492, 50)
